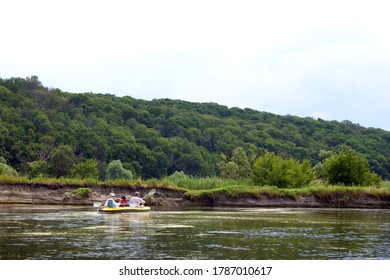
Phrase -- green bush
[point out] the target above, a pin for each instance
(3, 160)
(115, 171)
(230, 170)
(61, 163)
(177, 175)
(86, 170)
(6, 169)
(38, 168)
(273, 170)
(238, 167)
(82, 192)
(348, 168)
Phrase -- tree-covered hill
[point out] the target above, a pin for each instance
(156, 138)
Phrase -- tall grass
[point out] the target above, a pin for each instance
(7, 179)
(206, 183)
(213, 186)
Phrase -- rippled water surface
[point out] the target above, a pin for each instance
(57, 232)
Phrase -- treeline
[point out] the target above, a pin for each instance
(154, 139)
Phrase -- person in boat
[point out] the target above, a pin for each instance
(136, 200)
(123, 202)
(110, 202)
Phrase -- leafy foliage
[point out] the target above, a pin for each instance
(38, 168)
(82, 192)
(86, 170)
(273, 170)
(156, 138)
(62, 161)
(6, 169)
(238, 167)
(115, 171)
(349, 169)
(230, 170)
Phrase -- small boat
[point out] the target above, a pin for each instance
(123, 209)
(126, 209)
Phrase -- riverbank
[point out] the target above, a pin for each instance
(65, 194)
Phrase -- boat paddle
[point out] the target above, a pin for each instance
(152, 192)
(97, 203)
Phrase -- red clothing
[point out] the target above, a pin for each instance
(124, 202)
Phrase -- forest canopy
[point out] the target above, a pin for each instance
(40, 127)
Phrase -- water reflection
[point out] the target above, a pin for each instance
(54, 232)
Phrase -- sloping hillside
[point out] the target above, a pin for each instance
(155, 138)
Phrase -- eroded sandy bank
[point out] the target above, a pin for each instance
(64, 194)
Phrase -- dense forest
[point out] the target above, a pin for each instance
(155, 138)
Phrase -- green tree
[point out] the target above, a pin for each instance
(270, 170)
(60, 165)
(300, 174)
(44, 149)
(38, 168)
(115, 170)
(349, 169)
(6, 169)
(323, 156)
(32, 82)
(41, 123)
(238, 167)
(240, 158)
(161, 136)
(230, 170)
(273, 170)
(84, 170)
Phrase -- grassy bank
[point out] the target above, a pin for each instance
(214, 186)
(321, 191)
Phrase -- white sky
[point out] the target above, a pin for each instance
(327, 59)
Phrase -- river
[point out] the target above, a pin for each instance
(73, 232)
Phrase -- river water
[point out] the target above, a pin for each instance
(71, 232)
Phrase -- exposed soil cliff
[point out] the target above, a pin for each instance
(64, 194)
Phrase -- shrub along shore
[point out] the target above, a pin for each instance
(188, 192)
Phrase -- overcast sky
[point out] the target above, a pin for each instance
(322, 59)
